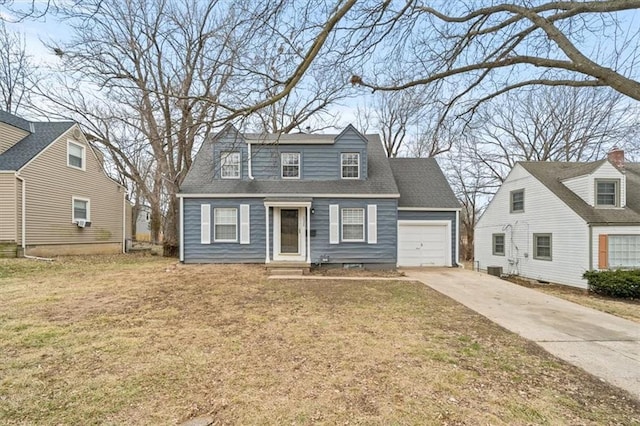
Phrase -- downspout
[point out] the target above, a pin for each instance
(24, 223)
(181, 229)
(249, 168)
(23, 206)
(124, 221)
(590, 246)
(457, 259)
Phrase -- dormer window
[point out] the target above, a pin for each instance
(517, 201)
(350, 165)
(230, 165)
(75, 155)
(607, 193)
(290, 165)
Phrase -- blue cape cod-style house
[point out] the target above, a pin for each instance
(315, 199)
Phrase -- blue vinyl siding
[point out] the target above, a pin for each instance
(318, 161)
(195, 252)
(385, 251)
(435, 215)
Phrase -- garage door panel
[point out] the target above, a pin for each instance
(422, 245)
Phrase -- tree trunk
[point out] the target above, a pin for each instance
(171, 241)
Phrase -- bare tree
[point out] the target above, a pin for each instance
(485, 51)
(473, 186)
(552, 124)
(159, 69)
(16, 70)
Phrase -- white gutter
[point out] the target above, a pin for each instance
(249, 171)
(181, 229)
(124, 221)
(457, 237)
(24, 214)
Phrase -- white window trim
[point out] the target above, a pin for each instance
(282, 154)
(73, 213)
(342, 154)
(359, 240)
(215, 237)
(84, 155)
(222, 176)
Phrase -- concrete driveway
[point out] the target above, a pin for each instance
(604, 345)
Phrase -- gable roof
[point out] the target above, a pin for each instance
(380, 181)
(422, 184)
(41, 134)
(551, 174)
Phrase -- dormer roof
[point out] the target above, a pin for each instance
(551, 175)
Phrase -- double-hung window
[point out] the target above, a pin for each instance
(75, 155)
(225, 223)
(607, 193)
(517, 201)
(290, 165)
(352, 224)
(80, 209)
(498, 244)
(230, 165)
(542, 246)
(350, 165)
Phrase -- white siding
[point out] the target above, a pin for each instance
(608, 171)
(584, 186)
(608, 230)
(543, 213)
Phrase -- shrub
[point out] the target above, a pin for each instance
(617, 283)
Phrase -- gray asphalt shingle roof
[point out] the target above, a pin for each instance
(422, 184)
(551, 174)
(380, 181)
(41, 134)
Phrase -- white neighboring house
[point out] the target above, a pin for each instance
(552, 221)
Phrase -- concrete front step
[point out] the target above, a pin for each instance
(286, 271)
(290, 268)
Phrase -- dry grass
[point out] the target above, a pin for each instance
(624, 308)
(141, 340)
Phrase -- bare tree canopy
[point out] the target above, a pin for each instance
(489, 50)
(552, 124)
(16, 70)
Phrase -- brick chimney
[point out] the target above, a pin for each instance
(616, 157)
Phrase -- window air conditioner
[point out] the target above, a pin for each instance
(81, 223)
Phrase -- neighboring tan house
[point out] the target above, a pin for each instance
(55, 197)
(552, 221)
(315, 199)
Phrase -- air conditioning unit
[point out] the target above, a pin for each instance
(81, 223)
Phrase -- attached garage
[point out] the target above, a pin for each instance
(424, 243)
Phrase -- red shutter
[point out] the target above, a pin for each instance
(603, 251)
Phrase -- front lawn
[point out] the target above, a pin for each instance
(141, 340)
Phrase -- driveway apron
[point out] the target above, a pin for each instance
(602, 344)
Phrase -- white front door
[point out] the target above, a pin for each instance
(289, 234)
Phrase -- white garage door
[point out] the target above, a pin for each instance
(423, 244)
